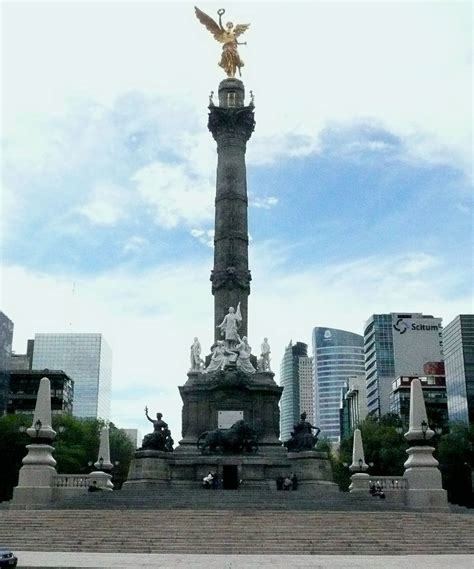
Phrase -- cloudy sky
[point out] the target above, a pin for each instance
(358, 174)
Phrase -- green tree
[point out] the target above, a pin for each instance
(384, 447)
(12, 451)
(455, 453)
(76, 446)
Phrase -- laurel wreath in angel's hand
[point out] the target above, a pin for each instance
(221, 33)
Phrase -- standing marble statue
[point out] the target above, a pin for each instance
(243, 361)
(229, 326)
(196, 360)
(264, 363)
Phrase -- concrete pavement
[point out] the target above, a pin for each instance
(56, 560)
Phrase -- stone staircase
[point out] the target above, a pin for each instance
(251, 531)
(171, 498)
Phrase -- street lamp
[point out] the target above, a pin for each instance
(399, 430)
(424, 428)
(438, 430)
(37, 426)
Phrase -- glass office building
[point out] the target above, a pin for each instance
(290, 381)
(458, 344)
(337, 355)
(397, 344)
(87, 359)
(379, 362)
(6, 338)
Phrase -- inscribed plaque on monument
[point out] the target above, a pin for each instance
(225, 419)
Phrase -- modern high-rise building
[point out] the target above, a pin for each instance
(397, 344)
(433, 385)
(293, 367)
(337, 355)
(458, 344)
(87, 359)
(20, 362)
(353, 406)
(305, 371)
(6, 338)
(23, 391)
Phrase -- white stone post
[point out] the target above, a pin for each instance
(102, 478)
(359, 478)
(37, 475)
(425, 491)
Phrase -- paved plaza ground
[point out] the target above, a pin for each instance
(120, 560)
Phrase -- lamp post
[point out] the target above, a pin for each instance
(37, 426)
(424, 429)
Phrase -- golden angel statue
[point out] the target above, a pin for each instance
(230, 60)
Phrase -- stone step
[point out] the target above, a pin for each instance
(252, 532)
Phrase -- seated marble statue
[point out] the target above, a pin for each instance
(302, 437)
(245, 351)
(219, 358)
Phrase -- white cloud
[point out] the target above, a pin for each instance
(174, 195)
(264, 202)
(135, 244)
(404, 64)
(150, 318)
(107, 205)
(204, 236)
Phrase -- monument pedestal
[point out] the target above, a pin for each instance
(36, 477)
(359, 482)
(255, 396)
(425, 491)
(312, 469)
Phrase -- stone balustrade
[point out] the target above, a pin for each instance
(389, 483)
(71, 481)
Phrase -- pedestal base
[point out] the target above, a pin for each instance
(312, 468)
(359, 482)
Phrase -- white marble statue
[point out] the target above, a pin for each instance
(245, 351)
(219, 358)
(229, 326)
(196, 360)
(264, 362)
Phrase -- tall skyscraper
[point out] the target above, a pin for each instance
(397, 344)
(294, 360)
(337, 355)
(6, 337)
(353, 406)
(305, 372)
(87, 359)
(458, 344)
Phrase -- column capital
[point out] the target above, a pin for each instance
(231, 122)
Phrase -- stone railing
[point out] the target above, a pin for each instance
(71, 481)
(389, 483)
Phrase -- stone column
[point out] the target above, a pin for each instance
(231, 124)
(425, 491)
(103, 465)
(359, 478)
(37, 475)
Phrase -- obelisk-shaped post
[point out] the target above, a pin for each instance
(231, 124)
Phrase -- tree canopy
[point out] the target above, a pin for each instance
(75, 448)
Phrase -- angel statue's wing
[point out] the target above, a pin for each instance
(210, 24)
(239, 29)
